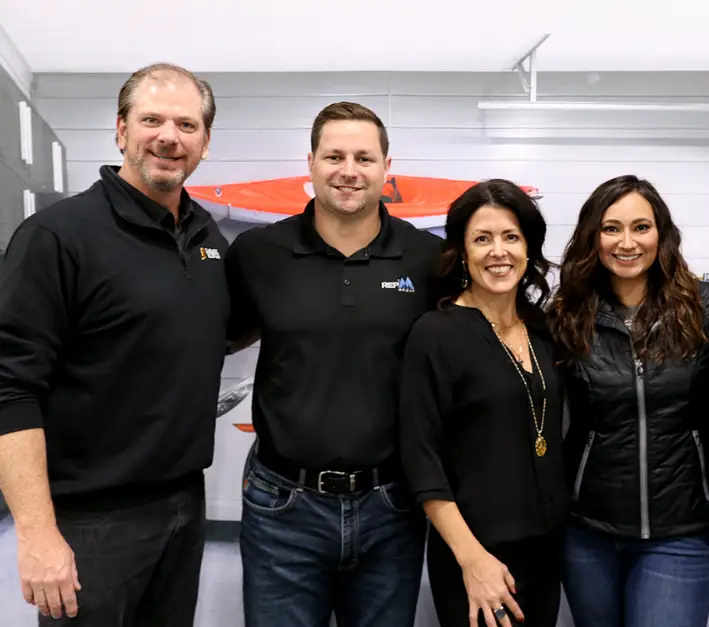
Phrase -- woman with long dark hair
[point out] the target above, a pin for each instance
(631, 327)
(481, 413)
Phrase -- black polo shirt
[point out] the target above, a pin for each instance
(333, 330)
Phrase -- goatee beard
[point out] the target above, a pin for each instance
(161, 185)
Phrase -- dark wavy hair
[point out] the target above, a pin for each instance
(672, 293)
(504, 194)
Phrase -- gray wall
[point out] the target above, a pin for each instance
(263, 120)
(16, 175)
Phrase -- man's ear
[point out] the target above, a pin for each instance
(121, 133)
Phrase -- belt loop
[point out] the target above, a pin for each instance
(375, 478)
(301, 479)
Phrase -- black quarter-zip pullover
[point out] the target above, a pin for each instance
(112, 339)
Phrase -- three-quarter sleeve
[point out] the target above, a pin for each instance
(424, 396)
(36, 283)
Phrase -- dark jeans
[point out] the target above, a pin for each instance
(629, 582)
(307, 554)
(535, 564)
(138, 566)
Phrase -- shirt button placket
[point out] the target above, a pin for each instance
(346, 294)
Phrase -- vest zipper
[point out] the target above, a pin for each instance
(582, 464)
(642, 446)
(702, 463)
(642, 440)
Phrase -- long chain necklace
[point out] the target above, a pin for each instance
(540, 445)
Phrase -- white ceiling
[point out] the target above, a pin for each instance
(308, 35)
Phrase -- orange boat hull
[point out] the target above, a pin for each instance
(421, 200)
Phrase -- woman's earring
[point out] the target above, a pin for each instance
(464, 280)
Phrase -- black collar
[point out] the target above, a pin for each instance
(136, 207)
(607, 316)
(307, 241)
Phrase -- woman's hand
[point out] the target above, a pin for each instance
(490, 587)
(488, 582)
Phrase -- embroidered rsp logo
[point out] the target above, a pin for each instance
(209, 253)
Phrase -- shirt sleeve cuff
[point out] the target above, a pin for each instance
(439, 494)
(20, 416)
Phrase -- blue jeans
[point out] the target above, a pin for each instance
(306, 555)
(614, 582)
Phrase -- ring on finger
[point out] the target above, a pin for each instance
(500, 612)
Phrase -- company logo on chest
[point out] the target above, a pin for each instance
(209, 253)
(402, 284)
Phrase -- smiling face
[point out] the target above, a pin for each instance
(163, 137)
(495, 250)
(629, 238)
(348, 168)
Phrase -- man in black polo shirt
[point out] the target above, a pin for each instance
(327, 522)
(113, 314)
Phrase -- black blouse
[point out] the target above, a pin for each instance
(467, 431)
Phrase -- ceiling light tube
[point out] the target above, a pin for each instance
(592, 106)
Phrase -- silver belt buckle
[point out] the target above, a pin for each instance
(339, 473)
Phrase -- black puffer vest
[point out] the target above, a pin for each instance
(635, 447)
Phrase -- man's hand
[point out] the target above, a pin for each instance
(48, 572)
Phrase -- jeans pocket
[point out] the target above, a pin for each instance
(396, 497)
(267, 497)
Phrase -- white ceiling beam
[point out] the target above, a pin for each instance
(14, 63)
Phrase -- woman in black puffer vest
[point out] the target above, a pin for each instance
(631, 324)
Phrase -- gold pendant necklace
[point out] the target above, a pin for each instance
(540, 444)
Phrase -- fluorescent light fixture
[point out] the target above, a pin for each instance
(26, 149)
(58, 167)
(29, 203)
(592, 106)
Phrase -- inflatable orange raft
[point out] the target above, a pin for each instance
(421, 200)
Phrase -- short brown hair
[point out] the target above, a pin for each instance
(347, 111)
(125, 96)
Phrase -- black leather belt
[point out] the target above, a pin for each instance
(333, 481)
